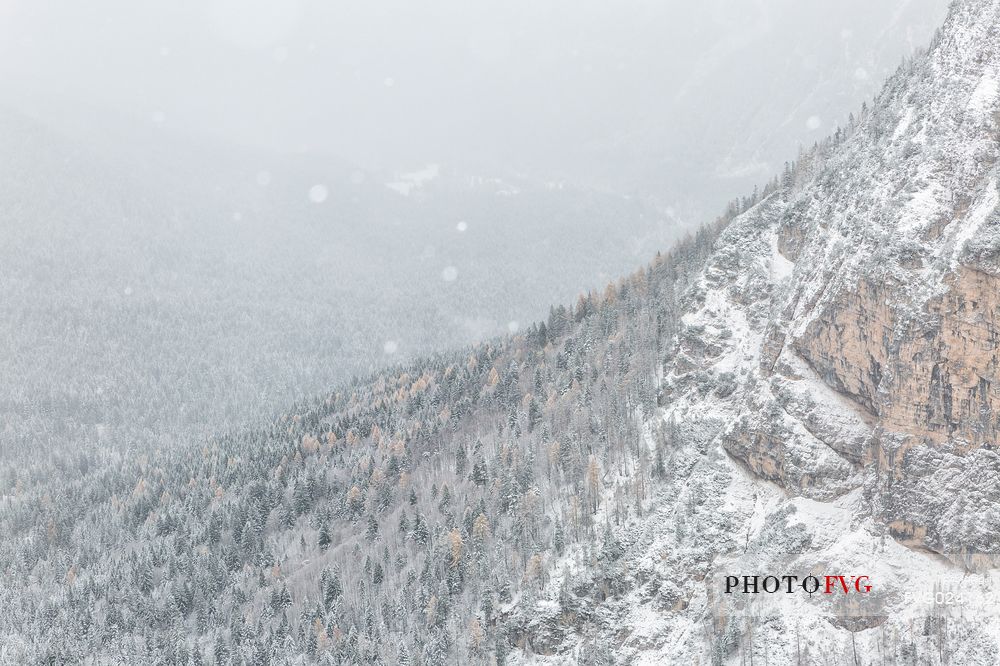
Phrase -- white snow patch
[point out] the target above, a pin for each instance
(781, 266)
(408, 182)
(823, 517)
(904, 123)
(838, 412)
(985, 94)
(923, 206)
(975, 220)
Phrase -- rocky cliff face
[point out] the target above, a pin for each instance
(882, 290)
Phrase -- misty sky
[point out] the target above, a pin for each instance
(685, 102)
(165, 259)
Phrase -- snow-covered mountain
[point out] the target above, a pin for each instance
(835, 381)
(805, 388)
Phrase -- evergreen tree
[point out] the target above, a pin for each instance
(324, 537)
(371, 533)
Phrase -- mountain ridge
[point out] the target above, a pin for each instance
(573, 494)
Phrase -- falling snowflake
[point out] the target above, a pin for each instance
(813, 122)
(390, 346)
(861, 74)
(159, 117)
(449, 274)
(237, 216)
(128, 291)
(389, 82)
(462, 226)
(318, 193)
(513, 326)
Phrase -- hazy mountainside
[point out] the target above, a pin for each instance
(156, 286)
(401, 519)
(806, 386)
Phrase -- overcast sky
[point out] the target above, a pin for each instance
(205, 213)
(631, 95)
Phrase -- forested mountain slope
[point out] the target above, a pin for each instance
(420, 506)
(808, 385)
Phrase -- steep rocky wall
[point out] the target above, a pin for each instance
(849, 342)
(929, 374)
(935, 377)
(865, 310)
(946, 386)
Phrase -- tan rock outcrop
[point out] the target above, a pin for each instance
(936, 379)
(849, 343)
(946, 383)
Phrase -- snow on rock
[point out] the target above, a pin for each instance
(984, 97)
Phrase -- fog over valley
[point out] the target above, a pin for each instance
(211, 209)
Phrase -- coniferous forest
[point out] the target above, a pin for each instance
(395, 520)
